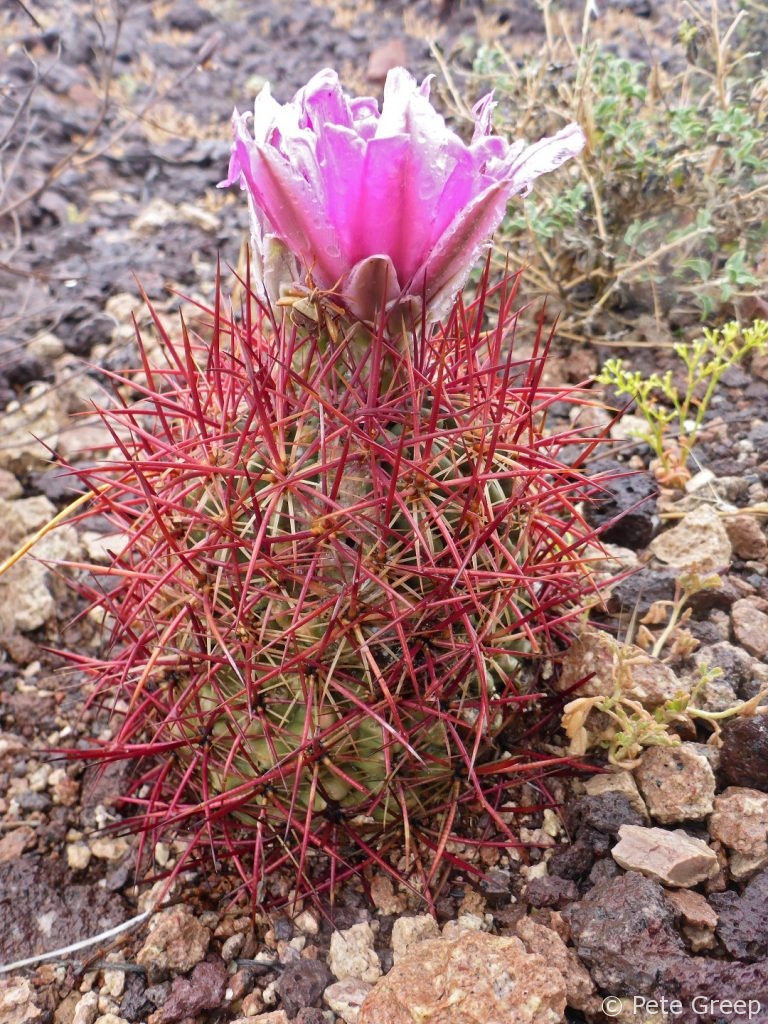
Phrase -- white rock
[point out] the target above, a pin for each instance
(407, 931)
(346, 997)
(87, 1009)
(352, 954)
(671, 857)
(17, 1005)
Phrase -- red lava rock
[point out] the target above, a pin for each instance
(742, 924)
(593, 821)
(744, 754)
(204, 990)
(550, 891)
(41, 909)
(604, 812)
(310, 1015)
(705, 988)
(301, 984)
(624, 931)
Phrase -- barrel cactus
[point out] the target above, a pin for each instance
(348, 542)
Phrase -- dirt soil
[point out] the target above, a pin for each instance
(114, 131)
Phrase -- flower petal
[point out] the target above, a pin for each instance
(544, 156)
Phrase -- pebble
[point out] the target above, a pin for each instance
(109, 848)
(677, 783)
(17, 1005)
(671, 857)
(87, 1009)
(740, 822)
(302, 983)
(384, 897)
(14, 843)
(352, 954)
(698, 918)
(746, 537)
(346, 997)
(610, 664)
(624, 931)
(699, 543)
(176, 943)
(579, 987)
(78, 856)
(622, 782)
(475, 978)
(745, 751)
(407, 931)
(750, 625)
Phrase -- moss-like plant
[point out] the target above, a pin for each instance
(673, 413)
(670, 210)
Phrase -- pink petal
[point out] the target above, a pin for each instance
(447, 267)
(544, 156)
(294, 210)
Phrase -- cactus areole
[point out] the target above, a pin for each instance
(347, 535)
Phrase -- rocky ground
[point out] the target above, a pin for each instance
(649, 884)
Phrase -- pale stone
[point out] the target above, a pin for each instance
(46, 346)
(677, 783)
(346, 997)
(177, 942)
(698, 543)
(17, 1005)
(620, 781)
(114, 983)
(744, 865)
(87, 1009)
(307, 922)
(78, 856)
(407, 931)
(614, 666)
(352, 954)
(110, 1018)
(384, 897)
(273, 1017)
(670, 857)
(26, 602)
(155, 214)
(475, 978)
(740, 822)
(579, 987)
(15, 842)
(109, 848)
(40, 415)
(623, 1010)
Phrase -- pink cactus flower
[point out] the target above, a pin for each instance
(379, 207)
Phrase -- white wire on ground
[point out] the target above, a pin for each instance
(84, 944)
